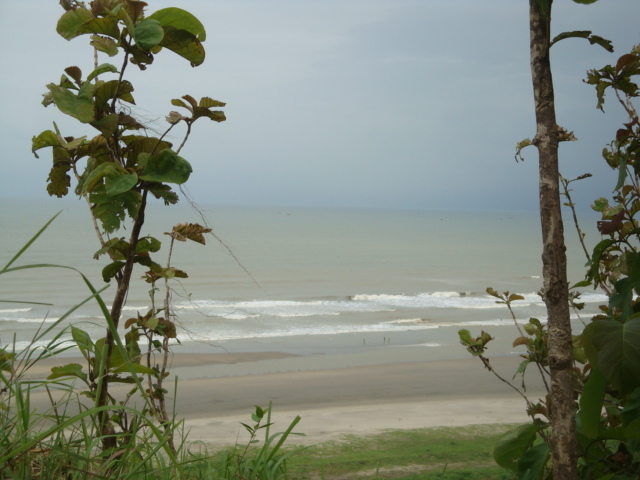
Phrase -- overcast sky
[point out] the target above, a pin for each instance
(355, 103)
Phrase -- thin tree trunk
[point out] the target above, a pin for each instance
(123, 280)
(554, 261)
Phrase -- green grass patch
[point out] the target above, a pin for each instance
(420, 454)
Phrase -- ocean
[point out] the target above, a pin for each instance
(307, 281)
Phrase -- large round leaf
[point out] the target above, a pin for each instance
(166, 167)
(618, 347)
(513, 444)
(181, 20)
(148, 33)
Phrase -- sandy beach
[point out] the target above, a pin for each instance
(334, 402)
(358, 400)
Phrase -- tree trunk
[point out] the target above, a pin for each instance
(554, 260)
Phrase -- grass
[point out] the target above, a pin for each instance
(421, 454)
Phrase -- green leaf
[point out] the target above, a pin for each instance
(591, 403)
(108, 90)
(117, 248)
(112, 270)
(78, 106)
(618, 351)
(631, 410)
(70, 22)
(207, 102)
(181, 20)
(179, 103)
(148, 33)
(184, 44)
(100, 26)
(622, 297)
(585, 2)
(513, 444)
(100, 69)
(104, 44)
(166, 167)
(48, 138)
(107, 125)
(534, 461)
(94, 177)
(111, 210)
(148, 244)
(69, 370)
(120, 183)
(83, 341)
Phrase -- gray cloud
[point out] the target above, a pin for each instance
(380, 103)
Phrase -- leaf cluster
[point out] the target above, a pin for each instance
(606, 355)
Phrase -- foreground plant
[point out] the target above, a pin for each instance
(605, 359)
(118, 171)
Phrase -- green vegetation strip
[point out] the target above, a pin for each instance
(443, 453)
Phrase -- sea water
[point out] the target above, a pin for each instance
(298, 280)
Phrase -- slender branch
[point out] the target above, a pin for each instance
(488, 366)
(188, 122)
(565, 186)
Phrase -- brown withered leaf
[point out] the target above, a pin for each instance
(75, 73)
(167, 328)
(189, 231)
(520, 341)
(607, 227)
(130, 322)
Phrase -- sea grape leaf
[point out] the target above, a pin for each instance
(181, 20)
(75, 73)
(184, 44)
(167, 328)
(100, 69)
(534, 461)
(166, 167)
(59, 181)
(48, 138)
(108, 90)
(586, 34)
(179, 103)
(111, 210)
(137, 144)
(210, 102)
(70, 22)
(100, 26)
(615, 351)
(118, 183)
(95, 176)
(69, 370)
(104, 44)
(622, 296)
(119, 364)
(189, 231)
(148, 244)
(117, 248)
(79, 106)
(122, 14)
(513, 444)
(131, 344)
(148, 33)
(107, 125)
(112, 270)
(163, 191)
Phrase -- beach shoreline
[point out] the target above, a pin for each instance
(334, 402)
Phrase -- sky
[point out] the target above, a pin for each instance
(344, 103)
